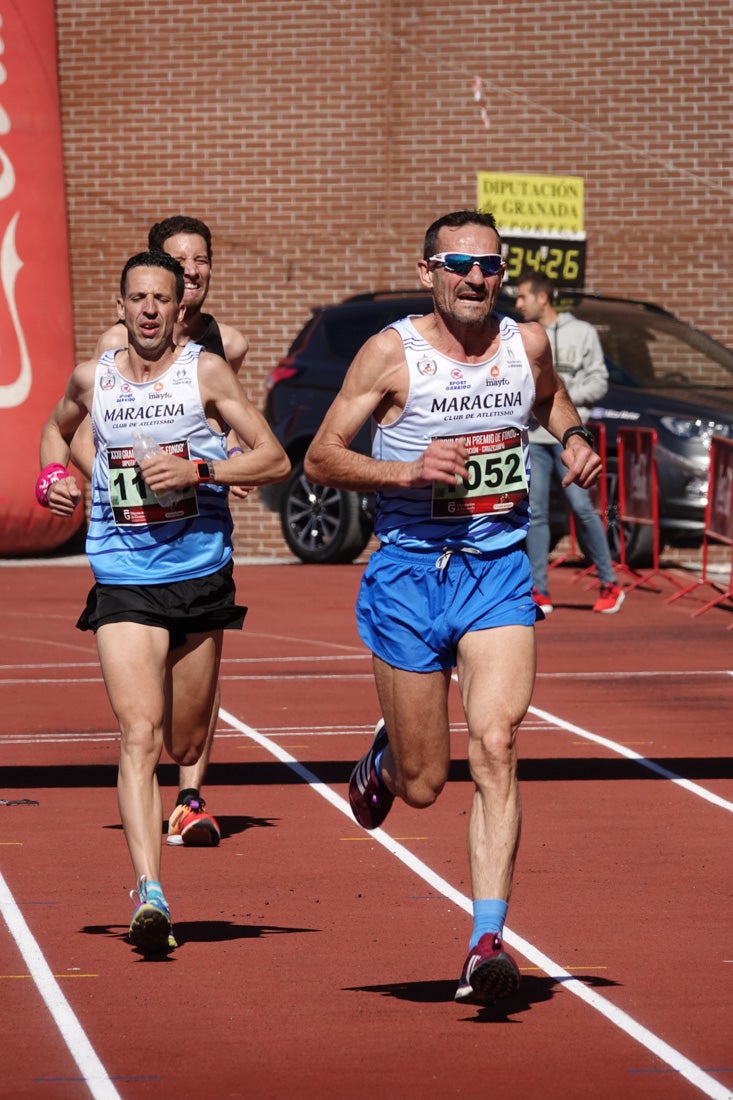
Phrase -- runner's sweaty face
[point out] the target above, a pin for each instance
(466, 299)
(149, 309)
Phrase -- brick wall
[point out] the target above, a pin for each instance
(318, 138)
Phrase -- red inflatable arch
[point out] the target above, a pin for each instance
(36, 334)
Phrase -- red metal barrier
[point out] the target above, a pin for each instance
(718, 523)
(638, 497)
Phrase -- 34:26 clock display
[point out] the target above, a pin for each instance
(561, 260)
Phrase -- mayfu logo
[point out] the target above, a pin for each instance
(495, 378)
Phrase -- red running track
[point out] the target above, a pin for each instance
(317, 960)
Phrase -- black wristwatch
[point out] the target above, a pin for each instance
(204, 470)
(582, 431)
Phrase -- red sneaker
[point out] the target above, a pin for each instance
(489, 973)
(370, 799)
(610, 599)
(189, 824)
(543, 602)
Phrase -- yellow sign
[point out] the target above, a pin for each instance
(550, 205)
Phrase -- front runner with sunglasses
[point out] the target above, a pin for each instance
(451, 394)
(460, 263)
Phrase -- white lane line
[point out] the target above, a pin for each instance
(92, 1071)
(277, 676)
(72, 736)
(319, 658)
(643, 761)
(52, 680)
(666, 1053)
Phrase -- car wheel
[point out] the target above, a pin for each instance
(321, 525)
(638, 537)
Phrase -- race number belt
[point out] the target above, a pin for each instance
(497, 478)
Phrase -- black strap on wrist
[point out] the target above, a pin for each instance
(582, 431)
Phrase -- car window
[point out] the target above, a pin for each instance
(655, 349)
(345, 329)
(304, 335)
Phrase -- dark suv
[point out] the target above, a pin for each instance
(663, 374)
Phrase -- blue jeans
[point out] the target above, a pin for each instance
(545, 461)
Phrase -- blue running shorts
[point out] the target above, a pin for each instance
(412, 614)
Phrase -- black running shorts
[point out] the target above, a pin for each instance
(185, 607)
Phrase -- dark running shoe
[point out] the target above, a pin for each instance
(370, 800)
(489, 973)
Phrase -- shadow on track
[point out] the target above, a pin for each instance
(532, 990)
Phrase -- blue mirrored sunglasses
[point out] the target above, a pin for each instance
(460, 263)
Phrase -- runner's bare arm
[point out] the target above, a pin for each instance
(226, 407)
(82, 445)
(375, 385)
(64, 495)
(111, 339)
(236, 346)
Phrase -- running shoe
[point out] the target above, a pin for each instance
(489, 973)
(542, 601)
(370, 799)
(610, 599)
(190, 824)
(150, 928)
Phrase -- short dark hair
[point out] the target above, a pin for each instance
(456, 220)
(171, 227)
(154, 259)
(539, 282)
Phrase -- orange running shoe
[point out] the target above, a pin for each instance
(189, 824)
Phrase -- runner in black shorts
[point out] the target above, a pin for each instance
(187, 240)
(183, 608)
(159, 543)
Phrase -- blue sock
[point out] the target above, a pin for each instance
(154, 892)
(489, 915)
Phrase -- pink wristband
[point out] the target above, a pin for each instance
(49, 476)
